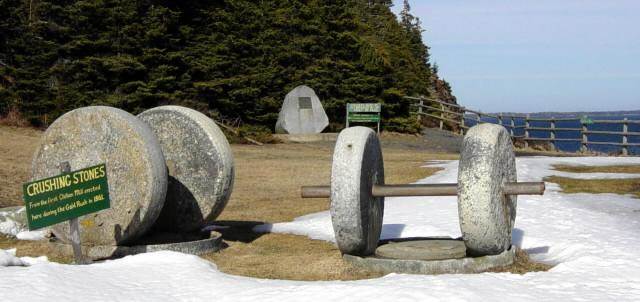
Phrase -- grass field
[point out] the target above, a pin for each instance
(598, 169)
(266, 190)
(618, 186)
(16, 149)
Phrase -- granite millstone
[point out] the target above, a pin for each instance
(200, 164)
(487, 216)
(355, 214)
(136, 172)
(423, 250)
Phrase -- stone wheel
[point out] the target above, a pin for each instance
(356, 215)
(136, 173)
(487, 216)
(200, 164)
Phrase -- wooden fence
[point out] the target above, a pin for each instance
(455, 116)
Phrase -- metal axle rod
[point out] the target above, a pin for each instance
(451, 189)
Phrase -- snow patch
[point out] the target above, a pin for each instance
(33, 235)
(8, 258)
(9, 225)
(12, 223)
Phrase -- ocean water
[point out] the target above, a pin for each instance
(575, 146)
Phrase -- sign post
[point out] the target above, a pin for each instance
(66, 197)
(364, 113)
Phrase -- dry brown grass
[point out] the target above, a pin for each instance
(13, 118)
(596, 186)
(282, 256)
(599, 169)
(617, 186)
(16, 149)
(266, 190)
(523, 265)
(268, 178)
(33, 249)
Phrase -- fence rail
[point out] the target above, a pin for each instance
(455, 115)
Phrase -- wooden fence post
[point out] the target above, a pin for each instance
(449, 115)
(462, 121)
(513, 126)
(585, 138)
(625, 129)
(553, 133)
(526, 131)
(441, 116)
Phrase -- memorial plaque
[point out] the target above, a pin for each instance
(304, 103)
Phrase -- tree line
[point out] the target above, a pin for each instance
(228, 58)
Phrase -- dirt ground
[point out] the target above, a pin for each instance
(266, 189)
(16, 150)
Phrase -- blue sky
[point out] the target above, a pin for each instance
(529, 56)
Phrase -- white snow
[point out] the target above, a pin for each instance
(33, 235)
(8, 258)
(593, 239)
(10, 226)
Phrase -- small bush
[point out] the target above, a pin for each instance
(334, 127)
(259, 133)
(403, 125)
(13, 118)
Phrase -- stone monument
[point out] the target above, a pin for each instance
(301, 113)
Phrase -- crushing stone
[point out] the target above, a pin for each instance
(487, 216)
(200, 165)
(423, 250)
(136, 171)
(356, 215)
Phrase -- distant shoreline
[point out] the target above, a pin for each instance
(577, 113)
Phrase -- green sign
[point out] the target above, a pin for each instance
(364, 107)
(359, 117)
(69, 195)
(364, 113)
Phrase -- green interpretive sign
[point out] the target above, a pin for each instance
(69, 195)
(364, 107)
(359, 117)
(364, 113)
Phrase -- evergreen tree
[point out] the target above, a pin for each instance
(236, 58)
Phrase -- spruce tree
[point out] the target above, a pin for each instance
(234, 58)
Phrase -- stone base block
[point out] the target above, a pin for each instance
(466, 265)
(307, 138)
(211, 243)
